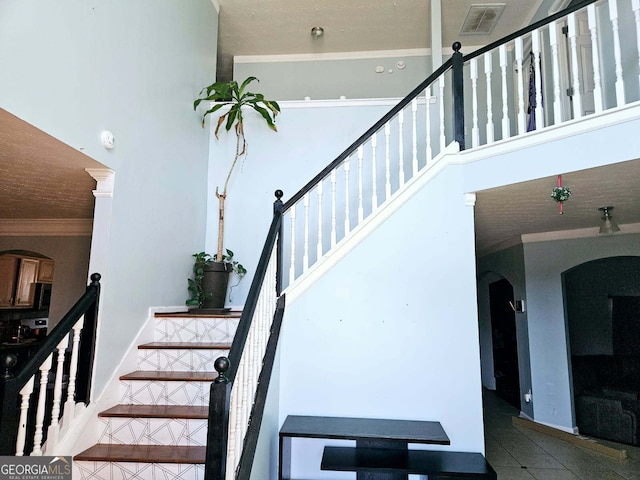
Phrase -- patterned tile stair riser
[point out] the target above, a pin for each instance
(159, 429)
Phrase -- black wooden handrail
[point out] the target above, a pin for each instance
(220, 391)
(10, 384)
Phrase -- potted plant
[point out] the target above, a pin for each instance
(230, 98)
(208, 287)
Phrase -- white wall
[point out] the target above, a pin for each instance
(75, 68)
(310, 135)
(391, 331)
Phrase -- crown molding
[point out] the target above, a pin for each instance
(46, 227)
(314, 57)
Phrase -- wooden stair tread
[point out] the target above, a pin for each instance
(143, 453)
(157, 411)
(170, 376)
(185, 345)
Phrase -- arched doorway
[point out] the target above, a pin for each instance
(505, 343)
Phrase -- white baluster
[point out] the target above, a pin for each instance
(575, 67)
(555, 72)
(54, 427)
(535, 43)
(400, 148)
(522, 115)
(613, 15)
(635, 5)
(333, 208)
(595, 57)
(292, 267)
(42, 395)
(387, 159)
(443, 140)
(374, 172)
(305, 255)
(475, 130)
(506, 127)
(429, 152)
(25, 395)
(414, 135)
(233, 433)
(70, 405)
(488, 69)
(319, 245)
(360, 199)
(347, 213)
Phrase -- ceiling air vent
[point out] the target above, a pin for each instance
(481, 18)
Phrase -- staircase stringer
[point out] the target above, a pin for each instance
(372, 222)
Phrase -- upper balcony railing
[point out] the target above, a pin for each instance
(578, 62)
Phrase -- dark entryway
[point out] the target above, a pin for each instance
(505, 344)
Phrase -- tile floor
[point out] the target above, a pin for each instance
(519, 453)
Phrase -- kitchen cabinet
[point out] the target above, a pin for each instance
(8, 277)
(45, 271)
(26, 287)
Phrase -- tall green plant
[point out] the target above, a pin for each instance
(233, 98)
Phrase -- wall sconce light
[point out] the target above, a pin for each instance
(608, 224)
(317, 32)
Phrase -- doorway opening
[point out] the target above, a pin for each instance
(505, 344)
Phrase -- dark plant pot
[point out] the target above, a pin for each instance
(216, 279)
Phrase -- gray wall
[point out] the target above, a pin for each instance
(75, 68)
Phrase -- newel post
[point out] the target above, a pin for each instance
(217, 435)
(458, 94)
(9, 411)
(277, 210)
(86, 350)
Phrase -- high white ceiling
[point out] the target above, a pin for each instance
(40, 177)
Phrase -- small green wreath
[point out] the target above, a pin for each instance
(560, 194)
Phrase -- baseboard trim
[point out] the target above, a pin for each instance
(581, 441)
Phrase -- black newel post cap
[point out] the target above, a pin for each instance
(95, 278)
(221, 365)
(8, 361)
(456, 46)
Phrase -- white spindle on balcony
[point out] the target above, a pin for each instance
(506, 133)
(522, 114)
(475, 130)
(575, 68)
(555, 72)
(488, 70)
(54, 428)
(535, 47)
(635, 6)
(443, 139)
(292, 253)
(595, 57)
(617, 54)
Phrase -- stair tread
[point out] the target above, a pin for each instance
(157, 411)
(170, 375)
(185, 345)
(143, 453)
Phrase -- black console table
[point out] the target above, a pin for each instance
(368, 433)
